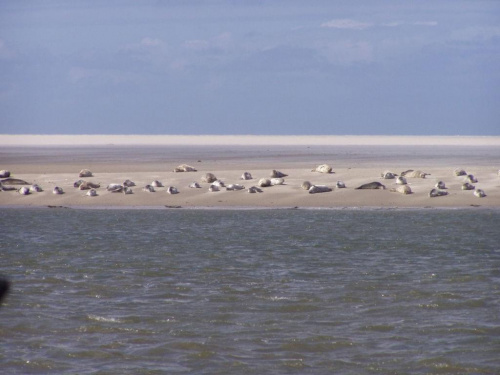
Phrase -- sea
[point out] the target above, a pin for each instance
(250, 291)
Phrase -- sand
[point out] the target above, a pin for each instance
(56, 160)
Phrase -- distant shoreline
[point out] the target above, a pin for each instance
(195, 140)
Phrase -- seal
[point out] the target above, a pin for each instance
(277, 181)
(219, 183)
(172, 190)
(57, 190)
(371, 185)
(115, 188)
(246, 176)
(277, 174)
(467, 186)
(470, 178)
(128, 183)
(264, 182)
(92, 193)
(437, 193)
(254, 189)
(185, 168)
(459, 172)
(85, 173)
(156, 183)
(234, 187)
(77, 184)
(194, 185)
(127, 190)
(208, 177)
(323, 168)
(86, 185)
(403, 189)
(6, 188)
(24, 190)
(415, 174)
(388, 175)
(401, 180)
(319, 189)
(213, 188)
(14, 181)
(479, 193)
(4, 173)
(149, 189)
(440, 185)
(306, 185)
(340, 185)
(35, 188)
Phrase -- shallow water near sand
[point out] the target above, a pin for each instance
(250, 291)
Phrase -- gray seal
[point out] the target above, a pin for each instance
(371, 185)
(254, 189)
(479, 193)
(306, 185)
(340, 185)
(208, 177)
(85, 173)
(388, 175)
(277, 174)
(403, 189)
(440, 185)
(437, 193)
(467, 186)
(323, 168)
(24, 190)
(149, 189)
(246, 176)
(319, 189)
(4, 173)
(57, 190)
(172, 190)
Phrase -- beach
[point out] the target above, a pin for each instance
(51, 161)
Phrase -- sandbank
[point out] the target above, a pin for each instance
(56, 160)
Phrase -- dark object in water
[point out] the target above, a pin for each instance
(4, 288)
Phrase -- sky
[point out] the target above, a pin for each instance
(250, 67)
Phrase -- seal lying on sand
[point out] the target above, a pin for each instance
(415, 174)
(24, 190)
(401, 180)
(149, 189)
(371, 185)
(4, 173)
(323, 168)
(403, 189)
(231, 187)
(172, 190)
(208, 177)
(388, 175)
(35, 188)
(77, 184)
(470, 178)
(440, 185)
(14, 181)
(254, 189)
(194, 185)
(277, 174)
(467, 186)
(184, 168)
(264, 182)
(246, 176)
(92, 193)
(213, 188)
(127, 190)
(437, 193)
(57, 190)
(219, 183)
(277, 181)
(459, 172)
(479, 193)
(340, 185)
(156, 183)
(85, 173)
(128, 183)
(115, 188)
(86, 185)
(306, 185)
(319, 189)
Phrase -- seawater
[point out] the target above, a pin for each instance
(250, 291)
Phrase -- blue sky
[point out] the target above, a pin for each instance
(250, 67)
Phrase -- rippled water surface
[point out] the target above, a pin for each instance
(250, 291)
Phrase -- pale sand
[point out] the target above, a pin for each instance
(56, 160)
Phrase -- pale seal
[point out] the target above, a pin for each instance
(57, 190)
(234, 187)
(115, 188)
(4, 173)
(371, 185)
(208, 177)
(35, 188)
(479, 193)
(92, 193)
(156, 183)
(470, 178)
(194, 185)
(85, 173)
(213, 188)
(437, 193)
(264, 182)
(319, 189)
(149, 189)
(401, 180)
(415, 174)
(254, 189)
(440, 185)
(467, 186)
(323, 168)
(172, 190)
(246, 176)
(277, 181)
(219, 183)
(388, 175)
(24, 190)
(306, 185)
(184, 168)
(403, 189)
(459, 172)
(128, 183)
(277, 174)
